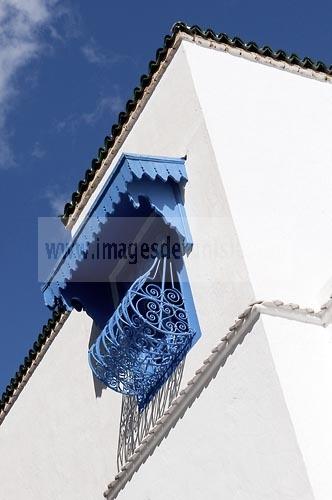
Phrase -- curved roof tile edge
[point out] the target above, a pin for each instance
(146, 79)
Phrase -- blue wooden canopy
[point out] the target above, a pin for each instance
(159, 180)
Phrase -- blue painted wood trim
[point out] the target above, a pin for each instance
(129, 176)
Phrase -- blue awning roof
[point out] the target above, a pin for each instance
(136, 176)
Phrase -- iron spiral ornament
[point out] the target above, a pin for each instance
(146, 338)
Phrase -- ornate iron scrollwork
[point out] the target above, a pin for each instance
(135, 425)
(146, 337)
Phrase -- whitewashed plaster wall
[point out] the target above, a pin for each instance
(302, 356)
(235, 443)
(59, 441)
(271, 134)
(172, 124)
(63, 440)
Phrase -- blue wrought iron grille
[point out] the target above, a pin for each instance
(146, 337)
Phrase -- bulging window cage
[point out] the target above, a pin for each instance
(146, 337)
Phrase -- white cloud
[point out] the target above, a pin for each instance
(94, 54)
(37, 151)
(6, 154)
(104, 105)
(57, 199)
(20, 42)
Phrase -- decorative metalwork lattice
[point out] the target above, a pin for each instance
(135, 424)
(146, 338)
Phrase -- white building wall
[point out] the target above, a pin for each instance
(238, 435)
(302, 356)
(271, 134)
(59, 441)
(236, 442)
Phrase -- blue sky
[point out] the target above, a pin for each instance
(66, 70)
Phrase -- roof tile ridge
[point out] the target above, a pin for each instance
(321, 317)
(203, 376)
(178, 29)
(186, 398)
